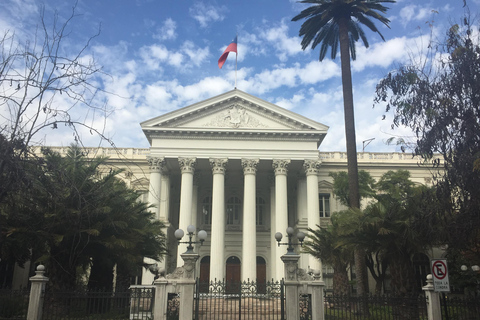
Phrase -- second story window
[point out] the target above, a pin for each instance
(207, 210)
(260, 214)
(234, 209)
(324, 199)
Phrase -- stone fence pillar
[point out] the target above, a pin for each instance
(291, 286)
(297, 282)
(433, 300)
(315, 290)
(35, 305)
(181, 281)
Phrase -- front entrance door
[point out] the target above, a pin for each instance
(233, 272)
(261, 275)
(204, 274)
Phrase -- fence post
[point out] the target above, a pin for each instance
(187, 286)
(433, 300)
(161, 299)
(316, 289)
(291, 285)
(35, 304)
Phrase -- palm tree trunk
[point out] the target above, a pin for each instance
(353, 190)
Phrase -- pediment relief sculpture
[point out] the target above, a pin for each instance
(235, 116)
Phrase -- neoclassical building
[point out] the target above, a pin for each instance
(241, 169)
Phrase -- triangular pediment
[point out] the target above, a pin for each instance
(231, 112)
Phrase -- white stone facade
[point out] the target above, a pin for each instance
(242, 169)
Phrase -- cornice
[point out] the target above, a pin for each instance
(238, 135)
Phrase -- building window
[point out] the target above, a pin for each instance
(207, 210)
(234, 207)
(142, 196)
(260, 211)
(324, 199)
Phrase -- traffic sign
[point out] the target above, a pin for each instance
(440, 275)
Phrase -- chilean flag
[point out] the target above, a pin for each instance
(232, 47)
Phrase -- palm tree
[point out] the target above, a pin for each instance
(334, 22)
(324, 244)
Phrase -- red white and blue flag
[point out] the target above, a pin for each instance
(232, 47)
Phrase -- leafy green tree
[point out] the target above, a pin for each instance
(440, 101)
(43, 84)
(324, 244)
(361, 229)
(334, 23)
(340, 185)
(400, 221)
(79, 215)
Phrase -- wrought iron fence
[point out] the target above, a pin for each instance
(173, 306)
(244, 300)
(383, 307)
(134, 304)
(305, 301)
(460, 307)
(13, 304)
(142, 300)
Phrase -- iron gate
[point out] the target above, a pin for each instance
(244, 300)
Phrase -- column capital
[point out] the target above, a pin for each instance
(187, 164)
(156, 164)
(218, 165)
(280, 166)
(311, 167)
(250, 166)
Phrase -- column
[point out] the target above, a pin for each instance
(156, 165)
(195, 202)
(273, 242)
(217, 247)
(311, 168)
(281, 209)
(164, 197)
(249, 234)
(187, 167)
(163, 214)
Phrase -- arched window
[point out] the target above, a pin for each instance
(260, 209)
(207, 210)
(234, 209)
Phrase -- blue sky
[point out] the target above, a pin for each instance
(159, 56)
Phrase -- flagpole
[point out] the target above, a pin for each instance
(236, 58)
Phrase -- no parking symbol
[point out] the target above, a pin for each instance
(440, 275)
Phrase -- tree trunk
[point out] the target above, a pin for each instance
(353, 190)
(101, 275)
(341, 284)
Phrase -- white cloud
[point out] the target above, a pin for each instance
(317, 71)
(277, 37)
(206, 14)
(167, 31)
(157, 56)
(196, 54)
(413, 12)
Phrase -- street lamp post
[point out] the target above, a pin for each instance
(290, 244)
(201, 236)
